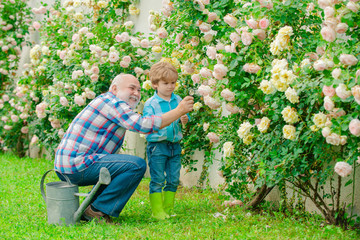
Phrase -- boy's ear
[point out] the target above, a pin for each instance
(154, 86)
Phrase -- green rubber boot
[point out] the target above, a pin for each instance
(168, 202)
(157, 206)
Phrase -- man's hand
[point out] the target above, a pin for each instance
(184, 119)
(186, 105)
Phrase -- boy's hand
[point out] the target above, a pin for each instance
(186, 105)
(184, 119)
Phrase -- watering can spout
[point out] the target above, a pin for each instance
(105, 179)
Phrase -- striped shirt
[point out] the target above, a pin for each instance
(158, 106)
(99, 130)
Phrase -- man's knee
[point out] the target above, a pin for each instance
(141, 163)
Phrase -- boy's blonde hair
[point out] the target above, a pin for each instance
(163, 71)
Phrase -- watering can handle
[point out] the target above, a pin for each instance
(43, 179)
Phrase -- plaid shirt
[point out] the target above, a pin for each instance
(158, 106)
(99, 130)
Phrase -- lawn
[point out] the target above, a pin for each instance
(23, 214)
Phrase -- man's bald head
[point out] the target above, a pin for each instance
(126, 87)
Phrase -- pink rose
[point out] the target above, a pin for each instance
(94, 77)
(253, 24)
(204, 90)
(24, 130)
(211, 102)
(213, 137)
(36, 25)
(319, 65)
(246, 38)
(220, 71)
(264, 23)
(342, 91)
(113, 57)
(212, 16)
(329, 12)
(75, 37)
(336, 73)
(354, 127)
(79, 100)
(259, 33)
(234, 37)
(205, 72)
(231, 20)
(328, 91)
(162, 33)
(352, 6)
(333, 139)
(126, 59)
(55, 123)
(355, 91)
(232, 108)
(337, 112)
(228, 95)
(251, 68)
(204, 27)
(324, 3)
(145, 43)
(195, 78)
(328, 34)
(211, 52)
(124, 64)
(341, 28)
(14, 118)
(95, 70)
(343, 169)
(64, 101)
(328, 103)
(326, 132)
(348, 59)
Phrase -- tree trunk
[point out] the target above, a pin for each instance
(259, 197)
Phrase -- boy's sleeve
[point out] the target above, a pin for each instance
(148, 110)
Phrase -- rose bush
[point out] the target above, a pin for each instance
(15, 20)
(292, 66)
(84, 45)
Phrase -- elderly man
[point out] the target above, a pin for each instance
(95, 135)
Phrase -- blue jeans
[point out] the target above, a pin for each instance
(126, 173)
(164, 157)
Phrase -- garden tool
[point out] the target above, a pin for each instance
(168, 201)
(157, 206)
(62, 198)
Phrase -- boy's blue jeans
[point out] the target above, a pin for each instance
(126, 173)
(164, 157)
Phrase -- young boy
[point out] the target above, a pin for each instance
(163, 148)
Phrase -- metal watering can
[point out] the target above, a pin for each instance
(62, 198)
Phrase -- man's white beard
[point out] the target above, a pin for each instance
(126, 98)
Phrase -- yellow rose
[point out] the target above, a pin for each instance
(289, 132)
(320, 120)
(156, 49)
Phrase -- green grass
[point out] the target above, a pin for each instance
(23, 214)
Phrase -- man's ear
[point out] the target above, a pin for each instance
(114, 88)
